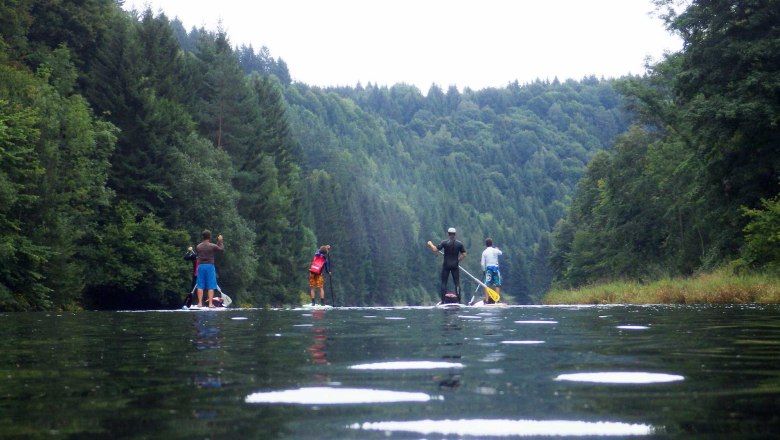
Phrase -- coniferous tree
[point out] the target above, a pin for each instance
(224, 110)
(374, 170)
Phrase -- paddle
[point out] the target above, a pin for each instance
(330, 277)
(471, 303)
(332, 295)
(491, 293)
(226, 300)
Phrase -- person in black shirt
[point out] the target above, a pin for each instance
(454, 252)
(191, 256)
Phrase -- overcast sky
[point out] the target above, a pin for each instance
(466, 43)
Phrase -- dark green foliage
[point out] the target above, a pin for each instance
(670, 198)
(245, 117)
(762, 239)
(271, 193)
(223, 107)
(729, 82)
(56, 157)
(263, 63)
(277, 168)
(392, 169)
(20, 286)
(135, 262)
(65, 169)
(180, 131)
(79, 25)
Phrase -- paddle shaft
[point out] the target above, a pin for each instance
(330, 277)
(472, 276)
(332, 295)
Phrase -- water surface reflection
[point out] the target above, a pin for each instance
(509, 428)
(661, 371)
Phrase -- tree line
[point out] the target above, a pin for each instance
(123, 135)
(119, 147)
(392, 168)
(693, 184)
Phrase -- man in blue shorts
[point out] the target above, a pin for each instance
(207, 274)
(490, 268)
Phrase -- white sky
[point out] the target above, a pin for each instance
(466, 43)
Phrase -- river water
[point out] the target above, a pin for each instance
(410, 373)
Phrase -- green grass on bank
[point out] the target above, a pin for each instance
(719, 287)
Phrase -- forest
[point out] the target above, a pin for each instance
(693, 185)
(123, 135)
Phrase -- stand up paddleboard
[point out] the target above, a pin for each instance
(317, 306)
(482, 304)
(450, 306)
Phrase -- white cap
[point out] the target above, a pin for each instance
(451, 230)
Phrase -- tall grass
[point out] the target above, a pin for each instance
(719, 287)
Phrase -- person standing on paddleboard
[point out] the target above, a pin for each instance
(207, 273)
(454, 252)
(320, 263)
(490, 268)
(191, 256)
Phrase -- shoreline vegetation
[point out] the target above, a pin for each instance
(719, 287)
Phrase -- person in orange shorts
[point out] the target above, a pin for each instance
(320, 264)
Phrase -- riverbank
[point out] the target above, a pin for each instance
(719, 287)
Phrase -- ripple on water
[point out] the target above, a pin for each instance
(335, 396)
(407, 365)
(506, 428)
(621, 377)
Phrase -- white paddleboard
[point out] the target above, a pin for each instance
(449, 306)
(482, 304)
(203, 309)
(316, 306)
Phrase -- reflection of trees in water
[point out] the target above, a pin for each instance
(207, 368)
(452, 341)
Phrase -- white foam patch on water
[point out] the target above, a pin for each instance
(406, 365)
(508, 428)
(621, 377)
(536, 322)
(633, 327)
(522, 342)
(335, 396)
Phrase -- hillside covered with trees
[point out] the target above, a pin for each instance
(693, 184)
(123, 135)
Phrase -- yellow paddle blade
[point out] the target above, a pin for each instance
(492, 294)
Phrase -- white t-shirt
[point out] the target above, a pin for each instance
(490, 257)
